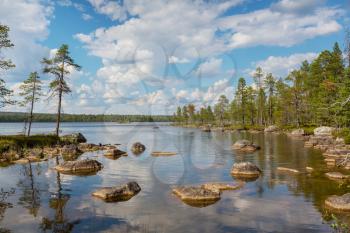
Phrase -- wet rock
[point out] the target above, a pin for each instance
(86, 147)
(138, 148)
(206, 128)
(288, 170)
(309, 169)
(271, 128)
(86, 166)
(245, 146)
(118, 193)
(323, 131)
(115, 153)
(163, 153)
(336, 176)
(70, 152)
(108, 147)
(341, 203)
(297, 133)
(29, 159)
(197, 196)
(73, 138)
(222, 186)
(34, 152)
(245, 170)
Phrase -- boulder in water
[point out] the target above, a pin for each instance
(115, 153)
(70, 152)
(86, 147)
(118, 193)
(138, 148)
(245, 146)
(197, 196)
(341, 203)
(297, 133)
(73, 138)
(86, 166)
(288, 170)
(245, 170)
(336, 176)
(323, 131)
(271, 128)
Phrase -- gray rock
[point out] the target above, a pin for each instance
(115, 153)
(323, 131)
(245, 146)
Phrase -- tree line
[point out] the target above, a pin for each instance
(47, 117)
(318, 93)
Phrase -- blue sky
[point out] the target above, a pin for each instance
(147, 57)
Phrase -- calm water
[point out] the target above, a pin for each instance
(41, 200)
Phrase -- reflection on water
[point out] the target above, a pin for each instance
(35, 198)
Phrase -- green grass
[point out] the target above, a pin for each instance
(343, 133)
(18, 142)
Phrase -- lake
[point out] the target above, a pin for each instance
(35, 198)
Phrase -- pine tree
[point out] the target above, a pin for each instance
(5, 42)
(258, 77)
(31, 90)
(270, 86)
(59, 66)
(221, 108)
(241, 99)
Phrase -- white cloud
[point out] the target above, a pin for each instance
(86, 16)
(174, 59)
(274, 28)
(210, 67)
(27, 29)
(112, 9)
(281, 66)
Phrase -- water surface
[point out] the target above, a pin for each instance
(41, 200)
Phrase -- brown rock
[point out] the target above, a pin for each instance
(341, 203)
(86, 166)
(288, 170)
(118, 193)
(245, 169)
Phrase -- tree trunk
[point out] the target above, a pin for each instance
(59, 112)
(31, 109)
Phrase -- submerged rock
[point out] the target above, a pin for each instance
(323, 131)
(245, 170)
(289, 170)
(271, 128)
(138, 148)
(79, 167)
(115, 153)
(336, 176)
(341, 203)
(245, 146)
(222, 186)
(118, 193)
(309, 169)
(28, 159)
(197, 196)
(162, 153)
(73, 138)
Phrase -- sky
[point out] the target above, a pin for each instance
(150, 56)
